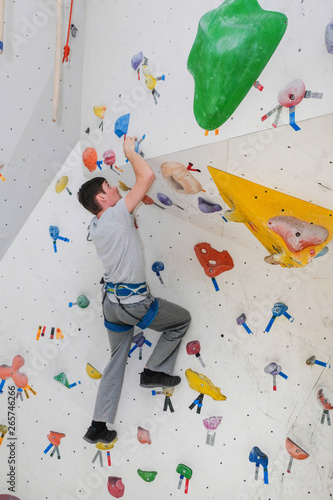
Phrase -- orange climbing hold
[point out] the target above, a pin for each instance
(55, 437)
(89, 158)
(213, 262)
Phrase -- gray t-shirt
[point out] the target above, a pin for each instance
(119, 247)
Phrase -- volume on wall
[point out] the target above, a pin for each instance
(37, 283)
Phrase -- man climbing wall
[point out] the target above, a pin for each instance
(127, 301)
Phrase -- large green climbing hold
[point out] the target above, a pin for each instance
(233, 45)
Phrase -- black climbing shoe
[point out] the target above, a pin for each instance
(104, 436)
(150, 379)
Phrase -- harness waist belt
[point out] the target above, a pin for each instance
(143, 323)
(126, 289)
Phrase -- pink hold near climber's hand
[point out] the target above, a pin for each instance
(19, 379)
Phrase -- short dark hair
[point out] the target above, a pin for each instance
(88, 192)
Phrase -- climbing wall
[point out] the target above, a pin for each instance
(39, 279)
(40, 283)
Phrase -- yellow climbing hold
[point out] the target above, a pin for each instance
(106, 446)
(203, 385)
(92, 372)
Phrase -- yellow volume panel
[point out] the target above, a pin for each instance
(293, 231)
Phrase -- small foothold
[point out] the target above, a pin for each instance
(99, 111)
(212, 423)
(62, 378)
(143, 436)
(147, 476)
(109, 157)
(55, 437)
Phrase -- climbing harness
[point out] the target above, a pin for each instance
(127, 290)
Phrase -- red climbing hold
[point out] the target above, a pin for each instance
(213, 262)
(116, 487)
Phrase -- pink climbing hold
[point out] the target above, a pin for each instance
(296, 233)
(143, 436)
(116, 487)
(212, 423)
(292, 93)
(109, 157)
(19, 379)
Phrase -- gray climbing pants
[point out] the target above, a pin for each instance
(172, 320)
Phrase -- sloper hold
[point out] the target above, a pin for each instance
(146, 475)
(213, 261)
(233, 45)
(92, 372)
(262, 209)
(295, 451)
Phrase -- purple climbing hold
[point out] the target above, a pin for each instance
(136, 60)
(329, 38)
(163, 198)
(208, 208)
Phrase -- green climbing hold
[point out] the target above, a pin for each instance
(82, 301)
(62, 378)
(233, 45)
(146, 475)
